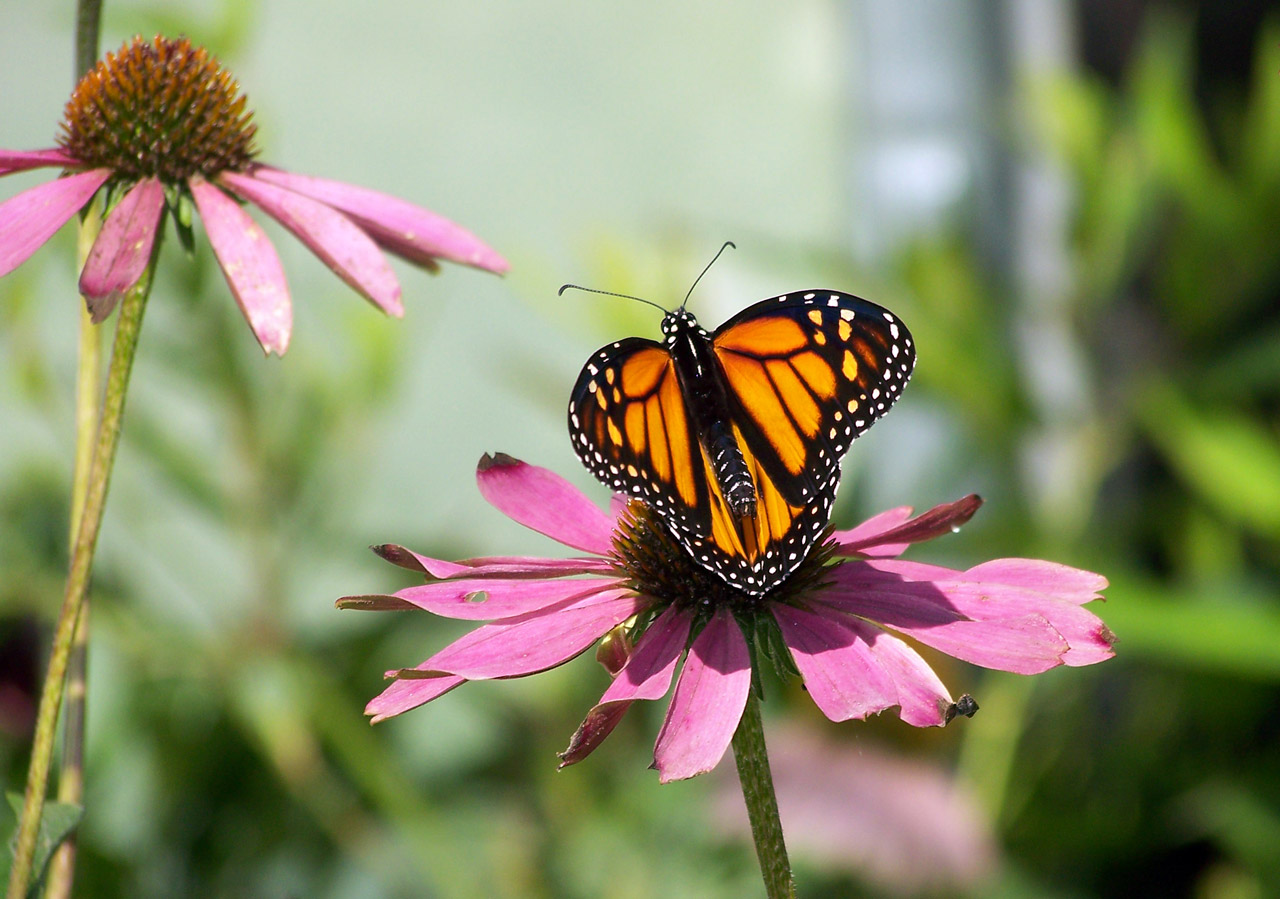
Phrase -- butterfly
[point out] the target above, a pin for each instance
(734, 437)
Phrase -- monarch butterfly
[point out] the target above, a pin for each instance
(735, 437)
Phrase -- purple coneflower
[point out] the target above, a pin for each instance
(839, 620)
(161, 124)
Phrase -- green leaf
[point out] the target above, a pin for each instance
(56, 824)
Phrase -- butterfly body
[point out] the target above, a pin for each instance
(734, 437)
(707, 404)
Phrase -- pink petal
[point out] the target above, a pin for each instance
(1090, 640)
(648, 672)
(937, 521)
(708, 701)
(542, 500)
(21, 160)
(647, 675)
(123, 248)
(403, 695)
(535, 642)
(978, 594)
(1059, 581)
(840, 671)
(492, 566)
(892, 571)
(1026, 644)
(923, 699)
(334, 238)
(249, 263)
(504, 597)
(410, 231)
(31, 218)
(865, 534)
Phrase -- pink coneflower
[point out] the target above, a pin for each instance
(839, 620)
(160, 125)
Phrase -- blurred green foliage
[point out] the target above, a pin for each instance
(227, 752)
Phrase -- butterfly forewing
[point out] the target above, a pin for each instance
(810, 372)
(629, 427)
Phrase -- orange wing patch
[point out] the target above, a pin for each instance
(780, 335)
(750, 381)
(816, 373)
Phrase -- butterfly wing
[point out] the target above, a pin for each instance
(630, 427)
(808, 373)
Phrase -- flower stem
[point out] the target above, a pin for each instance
(126, 342)
(88, 390)
(88, 28)
(762, 806)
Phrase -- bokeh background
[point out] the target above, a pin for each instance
(1074, 205)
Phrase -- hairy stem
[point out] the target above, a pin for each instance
(762, 805)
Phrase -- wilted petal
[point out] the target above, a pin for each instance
(417, 234)
(31, 218)
(122, 249)
(708, 701)
(249, 263)
(865, 536)
(492, 599)
(403, 695)
(840, 672)
(407, 558)
(647, 675)
(937, 521)
(542, 500)
(21, 160)
(340, 244)
(534, 642)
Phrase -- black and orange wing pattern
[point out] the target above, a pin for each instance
(629, 426)
(809, 372)
(805, 374)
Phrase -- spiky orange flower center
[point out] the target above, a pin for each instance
(162, 108)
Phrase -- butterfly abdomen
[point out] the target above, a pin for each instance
(730, 468)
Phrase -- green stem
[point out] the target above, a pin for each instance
(126, 342)
(762, 806)
(88, 390)
(88, 28)
(62, 868)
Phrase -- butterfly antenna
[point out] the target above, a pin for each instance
(610, 293)
(727, 244)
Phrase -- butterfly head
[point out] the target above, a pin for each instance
(678, 323)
